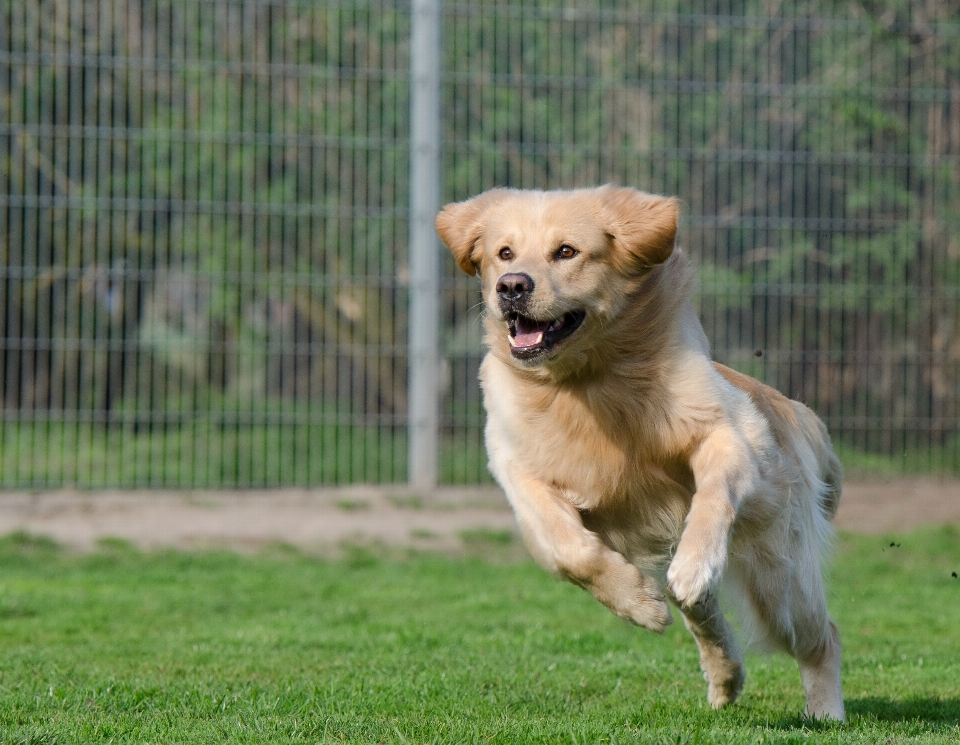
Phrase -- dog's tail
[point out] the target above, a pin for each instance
(829, 466)
(832, 481)
(833, 478)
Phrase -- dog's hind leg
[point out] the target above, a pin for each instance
(720, 657)
(820, 672)
(790, 612)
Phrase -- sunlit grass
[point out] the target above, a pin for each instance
(202, 453)
(125, 646)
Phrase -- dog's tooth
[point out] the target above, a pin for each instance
(511, 340)
(539, 338)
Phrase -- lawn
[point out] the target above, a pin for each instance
(123, 646)
(203, 454)
(289, 449)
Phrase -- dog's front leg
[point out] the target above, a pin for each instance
(557, 538)
(725, 470)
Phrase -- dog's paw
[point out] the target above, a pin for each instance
(652, 614)
(692, 575)
(644, 604)
(724, 690)
(649, 612)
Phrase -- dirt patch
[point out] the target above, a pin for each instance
(321, 520)
(311, 519)
(898, 505)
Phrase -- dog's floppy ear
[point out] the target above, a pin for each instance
(642, 226)
(460, 226)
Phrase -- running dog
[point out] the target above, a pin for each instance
(637, 468)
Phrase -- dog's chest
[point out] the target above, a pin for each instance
(597, 459)
(587, 465)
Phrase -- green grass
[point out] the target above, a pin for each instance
(122, 646)
(197, 454)
(200, 454)
(936, 460)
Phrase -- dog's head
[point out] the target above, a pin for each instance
(557, 268)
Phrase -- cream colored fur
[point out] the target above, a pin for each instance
(637, 468)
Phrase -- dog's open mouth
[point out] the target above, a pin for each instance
(529, 337)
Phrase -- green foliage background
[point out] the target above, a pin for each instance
(203, 214)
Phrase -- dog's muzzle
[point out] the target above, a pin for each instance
(530, 338)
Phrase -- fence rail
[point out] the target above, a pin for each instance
(216, 257)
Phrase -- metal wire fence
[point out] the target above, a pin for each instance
(204, 218)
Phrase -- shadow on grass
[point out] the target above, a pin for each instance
(920, 710)
(930, 715)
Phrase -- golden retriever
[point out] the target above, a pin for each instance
(637, 468)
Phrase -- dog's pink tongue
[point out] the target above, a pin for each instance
(529, 333)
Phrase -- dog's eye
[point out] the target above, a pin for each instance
(566, 252)
(505, 253)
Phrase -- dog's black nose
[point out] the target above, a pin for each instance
(513, 287)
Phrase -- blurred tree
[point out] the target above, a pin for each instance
(207, 199)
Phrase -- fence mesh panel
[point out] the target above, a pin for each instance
(203, 218)
(204, 225)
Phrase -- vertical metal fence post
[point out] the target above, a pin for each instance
(424, 404)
